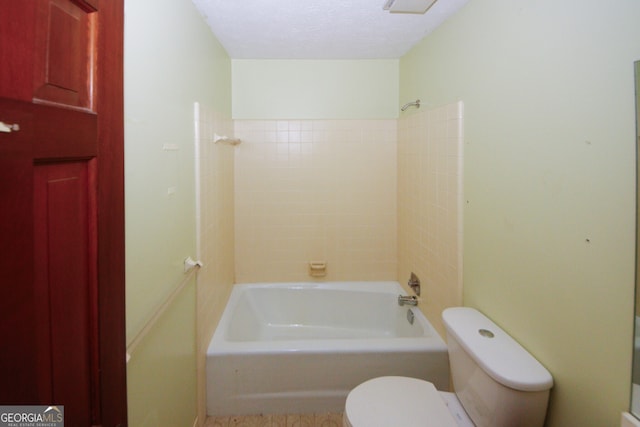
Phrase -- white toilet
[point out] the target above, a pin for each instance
(497, 383)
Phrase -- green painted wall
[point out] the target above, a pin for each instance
(161, 373)
(315, 89)
(171, 61)
(549, 222)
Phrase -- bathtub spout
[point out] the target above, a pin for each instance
(407, 300)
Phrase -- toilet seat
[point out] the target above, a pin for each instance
(396, 401)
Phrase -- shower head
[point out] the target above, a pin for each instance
(416, 103)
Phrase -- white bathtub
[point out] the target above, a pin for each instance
(301, 347)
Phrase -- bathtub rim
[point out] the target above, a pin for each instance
(219, 345)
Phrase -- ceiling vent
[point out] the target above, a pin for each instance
(408, 6)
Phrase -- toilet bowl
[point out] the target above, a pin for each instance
(497, 383)
(402, 401)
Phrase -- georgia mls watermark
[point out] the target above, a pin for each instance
(32, 416)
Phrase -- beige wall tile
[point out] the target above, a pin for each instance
(215, 231)
(323, 190)
(430, 206)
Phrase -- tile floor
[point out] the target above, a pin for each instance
(279, 420)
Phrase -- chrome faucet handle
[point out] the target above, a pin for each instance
(414, 283)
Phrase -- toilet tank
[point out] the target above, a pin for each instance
(497, 381)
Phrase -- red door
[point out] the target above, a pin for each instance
(61, 212)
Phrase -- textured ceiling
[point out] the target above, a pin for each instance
(319, 29)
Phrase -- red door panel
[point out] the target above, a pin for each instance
(65, 59)
(17, 359)
(63, 266)
(62, 208)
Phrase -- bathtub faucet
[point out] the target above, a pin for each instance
(407, 300)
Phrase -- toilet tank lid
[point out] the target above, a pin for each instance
(499, 355)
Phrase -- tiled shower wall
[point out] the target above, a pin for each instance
(317, 190)
(375, 199)
(430, 201)
(215, 229)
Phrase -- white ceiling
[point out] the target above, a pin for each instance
(319, 29)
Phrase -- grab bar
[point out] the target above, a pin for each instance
(140, 336)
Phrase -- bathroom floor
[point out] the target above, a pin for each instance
(279, 420)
